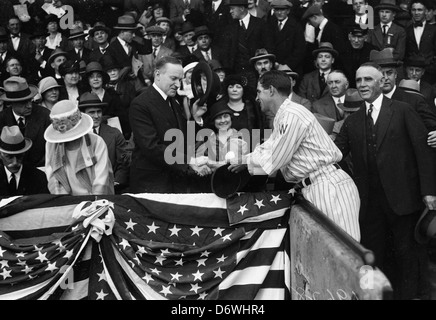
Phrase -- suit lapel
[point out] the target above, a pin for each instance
(379, 35)
(251, 26)
(164, 108)
(361, 132)
(383, 120)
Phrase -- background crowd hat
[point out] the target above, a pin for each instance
(325, 122)
(281, 4)
(16, 89)
(384, 58)
(99, 26)
(425, 228)
(47, 83)
(94, 66)
(76, 32)
(90, 99)
(201, 30)
(69, 66)
(164, 19)
(51, 18)
(215, 65)
(68, 123)
(225, 183)
(13, 142)
(108, 63)
(218, 108)
(284, 68)
(213, 83)
(237, 3)
(411, 86)
(312, 11)
(39, 32)
(262, 54)
(233, 79)
(187, 27)
(415, 61)
(325, 47)
(3, 35)
(155, 30)
(126, 22)
(357, 31)
(352, 101)
(388, 4)
(56, 53)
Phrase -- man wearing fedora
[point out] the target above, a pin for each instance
(158, 51)
(188, 33)
(358, 52)
(421, 38)
(288, 34)
(38, 65)
(100, 36)
(123, 48)
(415, 69)
(313, 86)
(18, 177)
(31, 118)
(388, 34)
(57, 57)
(244, 35)
(79, 52)
(91, 104)
(262, 61)
(168, 38)
(388, 144)
(390, 89)
(206, 48)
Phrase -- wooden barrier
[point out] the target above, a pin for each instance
(327, 264)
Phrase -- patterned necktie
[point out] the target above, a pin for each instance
(21, 124)
(13, 185)
(370, 119)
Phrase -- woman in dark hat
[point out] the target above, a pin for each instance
(55, 38)
(72, 87)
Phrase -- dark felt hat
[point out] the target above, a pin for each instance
(213, 82)
(415, 61)
(99, 26)
(90, 99)
(325, 47)
(237, 3)
(311, 11)
(388, 4)
(94, 66)
(226, 183)
(262, 54)
(69, 66)
(200, 31)
(384, 58)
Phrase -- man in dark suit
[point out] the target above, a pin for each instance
(79, 52)
(100, 36)
(188, 34)
(31, 118)
(123, 48)
(314, 84)
(5, 54)
(19, 42)
(38, 65)
(325, 31)
(159, 165)
(387, 34)
(244, 36)
(289, 42)
(217, 16)
(392, 192)
(90, 104)
(421, 39)
(206, 48)
(17, 177)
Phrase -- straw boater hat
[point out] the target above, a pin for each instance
(76, 33)
(13, 142)
(90, 99)
(47, 83)
(126, 22)
(68, 123)
(425, 229)
(384, 58)
(262, 54)
(325, 47)
(16, 89)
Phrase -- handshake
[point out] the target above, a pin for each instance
(204, 166)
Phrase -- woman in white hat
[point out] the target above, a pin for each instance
(77, 161)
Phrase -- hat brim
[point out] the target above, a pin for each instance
(106, 77)
(51, 87)
(105, 29)
(213, 82)
(332, 51)
(33, 92)
(126, 28)
(51, 58)
(387, 7)
(82, 35)
(85, 126)
(426, 214)
(102, 105)
(265, 56)
(27, 145)
(225, 183)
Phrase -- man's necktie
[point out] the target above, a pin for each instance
(243, 25)
(370, 119)
(280, 25)
(206, 55)
(129, 49)
(13, 185)
(95, 130)
(21, 124)
(385, 30)
(317, 30)
(322, 83)
(154, 51)
(187, 4)
(339, 110)
(360, 19)
(417, 24)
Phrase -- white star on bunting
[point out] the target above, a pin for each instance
(243, 209)
(275, 199)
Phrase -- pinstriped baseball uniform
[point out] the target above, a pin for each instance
(301, 148)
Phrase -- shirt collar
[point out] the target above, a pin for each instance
(323, 23)
(389, 94)
(386, 24)
(217, 4)
(246, 20)
(376, 104)
(341, 99)
(17, 175)
(16, 116)
(284, 21)
(123, 43)
(163, 94)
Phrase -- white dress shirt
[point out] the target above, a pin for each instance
(418, 33)
(376, 106)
